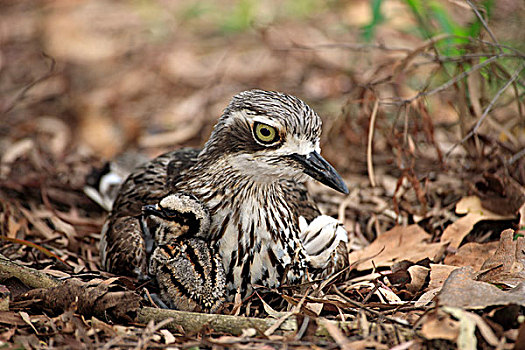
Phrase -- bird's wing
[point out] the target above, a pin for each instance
(122, 241)
(102, 184)
(302, 203)
(178, 165)
(150, 182)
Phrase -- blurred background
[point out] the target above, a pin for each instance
(154, 74)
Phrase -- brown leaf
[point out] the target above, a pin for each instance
(507, 265)
(472, 254)
(471, 206)
(462, 290)
(440, 325)
(399, 243)
(11, 318)
(439, 274)
(500, 194)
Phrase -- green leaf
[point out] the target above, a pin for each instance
(377, 18)
(241, 16)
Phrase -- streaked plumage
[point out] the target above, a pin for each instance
(188, 272)
(122, 246)
(190, 276)
(250, 178)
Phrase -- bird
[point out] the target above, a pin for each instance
(250, 177)
(189, 274)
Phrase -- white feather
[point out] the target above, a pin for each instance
(316, 238)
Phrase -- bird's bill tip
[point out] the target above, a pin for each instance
(151, 209)
(318, 168)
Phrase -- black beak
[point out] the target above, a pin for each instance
(318, 168)
(152, 209)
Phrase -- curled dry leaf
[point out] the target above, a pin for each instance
(418, 277)
(472, 254)
(500, 194)
(471, 206)
(462, 290)
(408, 275)
(400, 243)
(439, 325)
(507, 265)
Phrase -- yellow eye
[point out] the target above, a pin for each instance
(265, 134)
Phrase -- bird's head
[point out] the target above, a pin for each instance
(176, 215)
(269, 135)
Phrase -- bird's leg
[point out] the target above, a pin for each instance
(157, 300)
(146, 234)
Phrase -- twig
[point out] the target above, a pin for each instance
(430, 43)
(373, 312)
(195, 322)
(485, 25)
(487, 110)
(27, 275)
(517, 156)
(370, 164)
(190, 321)
(465, 57)
(26, 88)
(445, 85)
(349, 46)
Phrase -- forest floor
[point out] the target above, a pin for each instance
(430, 142)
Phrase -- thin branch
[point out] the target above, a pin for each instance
(371, 311)
(348, 46)
(487, 110)
(498, 45)
(461, 58)
(369, 162)
(517, 156)
(189, 321)
(485, 25)
(28, 276)
(28, 87)
(444, 86)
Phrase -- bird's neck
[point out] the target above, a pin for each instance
(236, 187)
